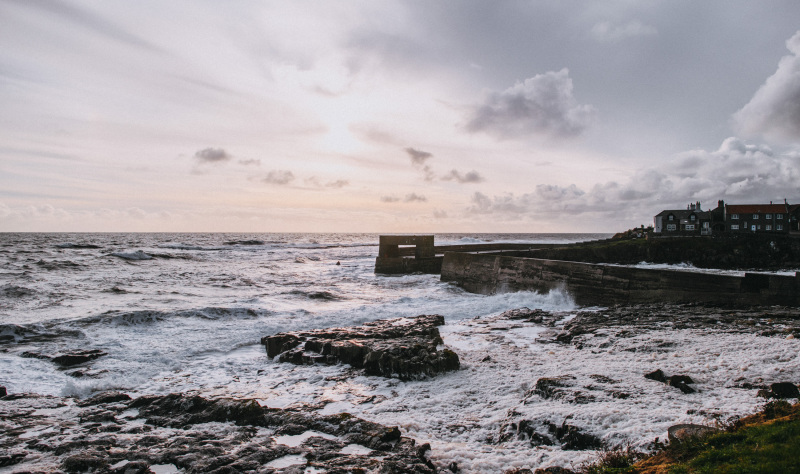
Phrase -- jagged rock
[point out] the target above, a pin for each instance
(573, 439)
(678, 381)
(3, 392)
(405, 348)
(784, 390)
(559, 388)
(687, 430)
(656, 375)
(83, 463)
(71, 358)
(104, 397)
(194, 434)
(553, 470)
(527, 430)
(527, 314)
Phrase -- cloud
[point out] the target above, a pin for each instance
(412, 197)
(774, 110)
(280, 177)
(212, 155)
(470, 177)
(253, 162)
(542, 105)
(338, 184)
(418, 157)
(551, 192)
(610, 33)
(738, 172)
(438, 214)
(315, 182)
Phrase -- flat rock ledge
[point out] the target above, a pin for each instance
(403, 348)
(113, 433)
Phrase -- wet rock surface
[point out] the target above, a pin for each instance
(760, 320)
(112, 433)
(404, 348)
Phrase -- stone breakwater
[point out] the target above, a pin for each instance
(404, 348)
(594, 284)
(114, 433)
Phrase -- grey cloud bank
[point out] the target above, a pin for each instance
(113, 115)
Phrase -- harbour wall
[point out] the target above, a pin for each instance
(596, 284)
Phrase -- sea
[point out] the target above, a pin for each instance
(186, 313)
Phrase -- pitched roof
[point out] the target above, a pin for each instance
(755, 208)
(684, 213)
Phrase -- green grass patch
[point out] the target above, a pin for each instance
(773, 447)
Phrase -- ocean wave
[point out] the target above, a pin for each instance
(34, 333)
(245, 242)
(137, 255)
(58, 265)
(70, 245)
(317, 295)
(134, 318)
(14, 291)
(184, 247)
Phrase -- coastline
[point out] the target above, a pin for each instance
(581, 370)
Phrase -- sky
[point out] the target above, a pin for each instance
(392, 116)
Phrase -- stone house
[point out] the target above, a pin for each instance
(690, 221)
(757, 218)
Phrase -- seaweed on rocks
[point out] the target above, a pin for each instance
(404, 348)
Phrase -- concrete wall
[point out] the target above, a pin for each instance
(596, 284)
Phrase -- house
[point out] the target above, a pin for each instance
(734, 218)
(690, 221)
(757, 218)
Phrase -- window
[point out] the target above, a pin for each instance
(778, 227)
(692, 217)
(670, 226)
(689, 227)
(755, 217)
(768, 216)
(768, 227)
(734, 226)
(735, 216)
(779, 216)
(670, 217)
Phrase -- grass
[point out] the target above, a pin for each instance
(768, 442)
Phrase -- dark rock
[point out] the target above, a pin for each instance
(680, 384)
(549, 387)
(3, 392)
(527, 314)
(527, 430)
(68, 359)
(679, 379)
(453, 467)
(193, 443)
(84, 462)
(573, 439)
(784, 390)
(404, 348)
(519, 470)
(104, 397)
(656, 375)
(553, 470)
(685, 431)
(9, 459)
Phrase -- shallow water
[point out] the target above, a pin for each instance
(186, 312)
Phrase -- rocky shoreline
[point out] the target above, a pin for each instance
(114, 433)
(527, 383)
